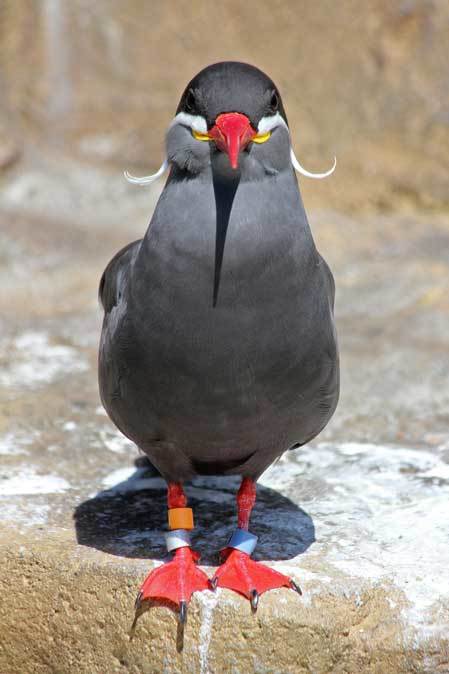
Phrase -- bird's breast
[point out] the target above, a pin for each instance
(214, 371)
(238, 340)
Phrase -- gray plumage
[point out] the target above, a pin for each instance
(218, 350)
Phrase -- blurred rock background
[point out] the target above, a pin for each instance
(368, 82)
(87, 89)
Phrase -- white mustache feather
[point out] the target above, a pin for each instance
(269, 123)
(199, 124)
(297, 166)
(195, 122)
(147, 180)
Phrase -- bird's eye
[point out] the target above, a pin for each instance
(190, 101)
(274, 102)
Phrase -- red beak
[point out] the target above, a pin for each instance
(232, 132)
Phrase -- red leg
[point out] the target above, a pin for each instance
(175, 495)
(246, 498)
(239, 572)
(175, 581)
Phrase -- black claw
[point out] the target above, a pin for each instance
(213, 584)
(254, 599)
(138, 602)
(183, 612)
(295, 587)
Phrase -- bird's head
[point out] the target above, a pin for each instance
(230, 115)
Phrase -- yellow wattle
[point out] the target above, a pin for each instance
(200, 136)
(262, 138)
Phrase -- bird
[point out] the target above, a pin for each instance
(218, 350)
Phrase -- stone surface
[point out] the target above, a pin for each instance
(365, 81)
(9, 149)
(359, 518)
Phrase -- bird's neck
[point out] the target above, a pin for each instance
(268, 207)
(222, 237)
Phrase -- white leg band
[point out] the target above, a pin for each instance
(177, 538)
(242, 540)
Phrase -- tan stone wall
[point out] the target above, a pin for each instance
(365, 81)
(75, 617)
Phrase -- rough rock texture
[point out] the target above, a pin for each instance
(359, 518)
(366, 81)
(9, 148)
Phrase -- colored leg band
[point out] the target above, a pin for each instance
(178, 538)
(180, 518)
(242, 540)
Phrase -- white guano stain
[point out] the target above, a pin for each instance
(208, 601)
(31, 361)
(380, 515)
(115, 441)
(117, 476)
(25, 515)
(27, 481)
(15, 443)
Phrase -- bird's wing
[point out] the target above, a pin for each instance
(114, 275)
(329, 280)
(326, 383)
(112, 295)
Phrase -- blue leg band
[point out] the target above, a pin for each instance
(242, 540)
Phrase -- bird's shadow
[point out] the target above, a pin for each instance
(129, 519)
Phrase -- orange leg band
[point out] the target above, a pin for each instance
(180, 518)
